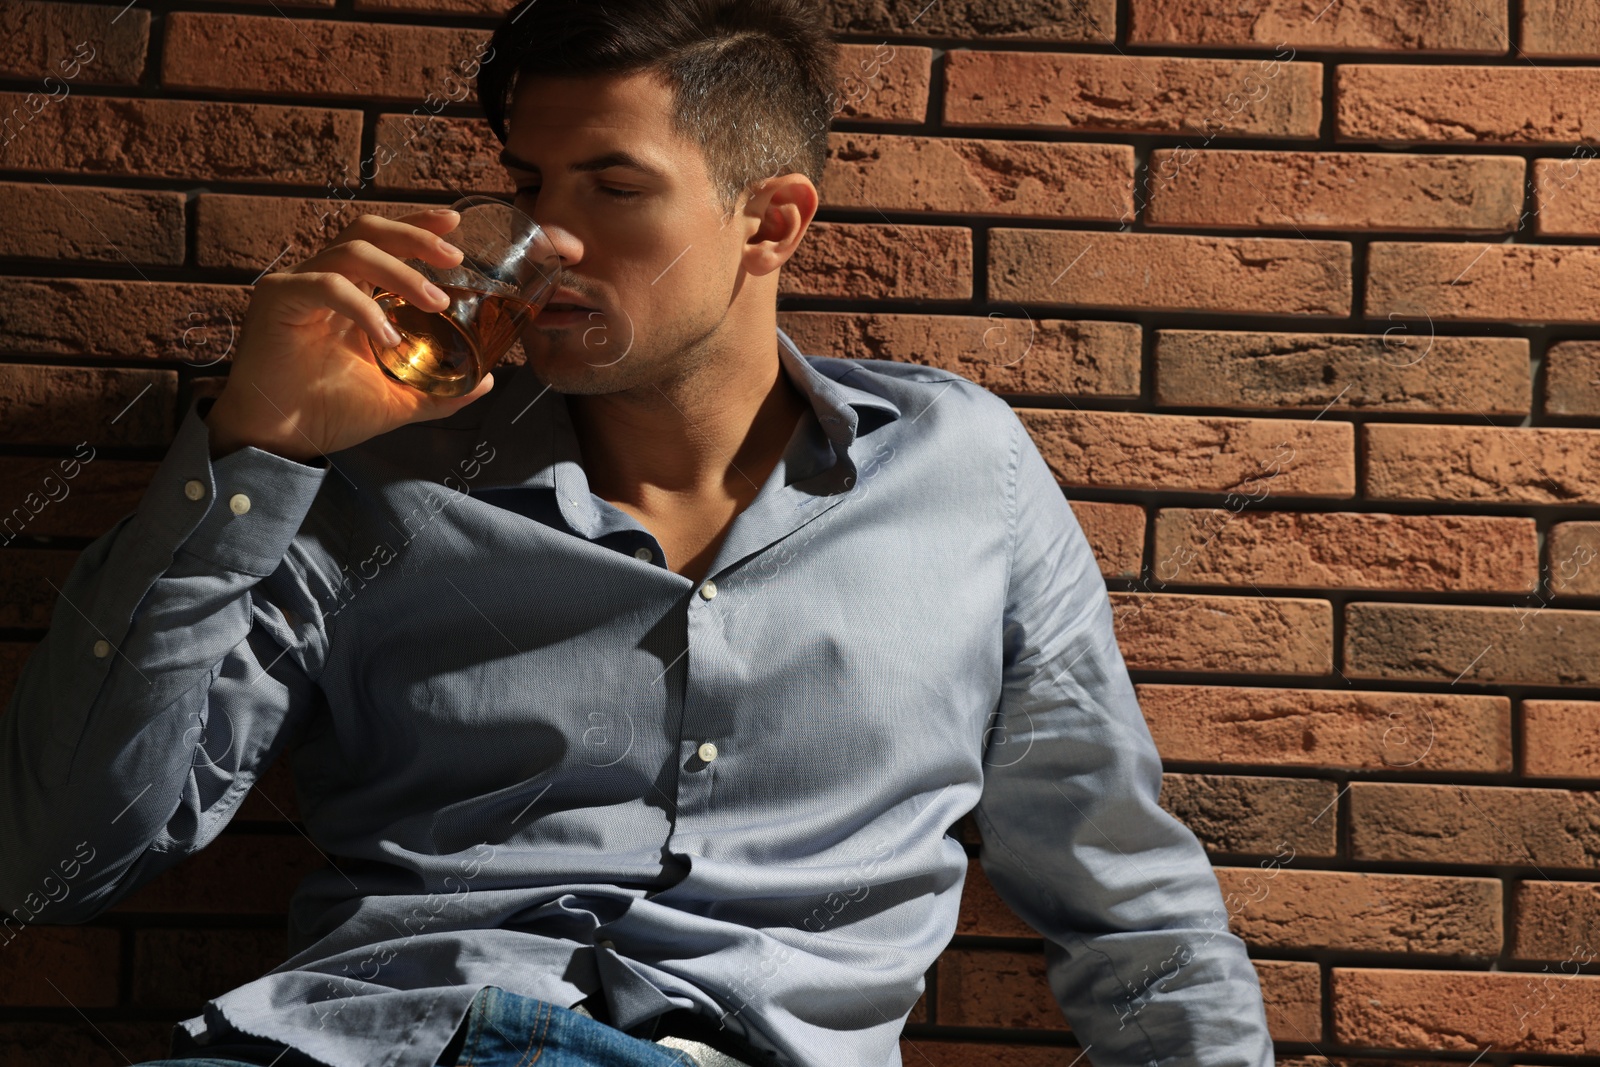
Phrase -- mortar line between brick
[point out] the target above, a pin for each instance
(933, 115)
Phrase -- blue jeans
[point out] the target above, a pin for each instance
(501, 1030)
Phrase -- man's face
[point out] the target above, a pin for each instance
(653, 252)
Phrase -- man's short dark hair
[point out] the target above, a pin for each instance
(754, 80)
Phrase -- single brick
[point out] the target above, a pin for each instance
(1482, 463)
(1516, 103)
(1170, 272)
(1213, 454)
(984, 912)
(1282, 908)
(429, 7)
(870, 261)
(81, 962)
(1532, 645)
(72, 44)
(1555, 920)
(92, 224)
(883, 83)
(1003, 353)
(111, 406)
(422, 152)
(191, 140)
(991, 987)
(1564, 193)
(1093, 21)
(1252, 815)
(236, 874)
(1572, 378)
(1478, 824)
(1400, 370)
(1115, 532)
(1333, 190)
(1561, 28)
(255, 232)
(1572, 552)
(310, 57)
(1328, 728)
(1499, 283)
(185, 968)
(81, 494)
(1465, 1011)
(193, 322)
(1366, 25)
(1132, 94)
(1039, 179)
(1251, 635)
(1346, 550)
(1561, 738)
(1291, 992)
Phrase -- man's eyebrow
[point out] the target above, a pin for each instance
(618, 158)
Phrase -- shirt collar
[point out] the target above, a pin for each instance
(532, 425)
(838, 406)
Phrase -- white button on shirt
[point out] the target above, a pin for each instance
(643, 553)
(239, 503)
(708, 751)
(194, 489)
(708, 590)
(102, 648)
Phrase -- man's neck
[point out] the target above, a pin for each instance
(713, 435)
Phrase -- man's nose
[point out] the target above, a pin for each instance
(566, 243)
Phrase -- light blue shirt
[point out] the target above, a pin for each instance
(537, 758)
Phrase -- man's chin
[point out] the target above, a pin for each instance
(569, 366)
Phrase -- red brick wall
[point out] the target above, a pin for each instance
(1302, 304)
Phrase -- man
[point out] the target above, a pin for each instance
(631, 699)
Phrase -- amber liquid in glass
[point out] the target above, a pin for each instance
(448, 352)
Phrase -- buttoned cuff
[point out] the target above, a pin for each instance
(240, 512)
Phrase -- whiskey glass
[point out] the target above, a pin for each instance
(507, 273)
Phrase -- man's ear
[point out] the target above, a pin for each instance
(777, 215)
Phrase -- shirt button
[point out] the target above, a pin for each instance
(708, 590)
(708, 752)
(102, 648)
(644, 554)
(608, 943)
(239, 503)
(194, 489)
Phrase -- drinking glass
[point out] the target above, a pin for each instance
(507, 274)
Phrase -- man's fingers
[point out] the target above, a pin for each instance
(309, 291)
(364, 262)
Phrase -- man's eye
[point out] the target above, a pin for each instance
(620, 194)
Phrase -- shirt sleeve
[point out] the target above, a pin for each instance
(1138, 953)
(181, 644)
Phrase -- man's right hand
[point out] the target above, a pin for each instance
(304, 382)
